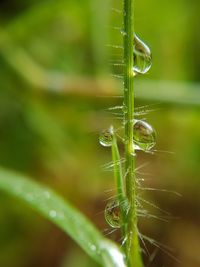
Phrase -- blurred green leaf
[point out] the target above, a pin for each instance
(66, 217)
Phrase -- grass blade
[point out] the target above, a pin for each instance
(64, 215)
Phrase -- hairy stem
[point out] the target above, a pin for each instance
(132, 247)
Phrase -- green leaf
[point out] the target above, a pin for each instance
(65, 216)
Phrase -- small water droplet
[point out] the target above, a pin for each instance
(144, 136)
(142, 57)
(106, 137)
(52, 213)
(92, 247)
(113, 212)
(123, 32)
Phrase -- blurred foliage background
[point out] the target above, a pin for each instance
(55, 85)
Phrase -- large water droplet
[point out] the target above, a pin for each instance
(142, 56)
(144, 135)
(106, 137)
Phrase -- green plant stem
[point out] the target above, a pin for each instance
(132, 247)
(118, 174)
(118, 170)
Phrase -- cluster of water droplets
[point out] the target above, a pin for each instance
(144, 136)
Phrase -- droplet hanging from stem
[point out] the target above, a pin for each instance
(144, 136)
(106, 137)
(113, 212)
(142, 56)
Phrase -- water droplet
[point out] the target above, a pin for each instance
(92, 247)
(123, 32)
(52, 213)
(113, 212)
(142, 57)
(106, 137)
(144, 136)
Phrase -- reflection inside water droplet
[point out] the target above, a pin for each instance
(106, 137)
(142, 56)
(113, 214)
(144, 135)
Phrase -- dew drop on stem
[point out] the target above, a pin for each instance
(106, 137)
(113, 214)
(113, 210)
(144, 136)
(142, 56)
(123, 32)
